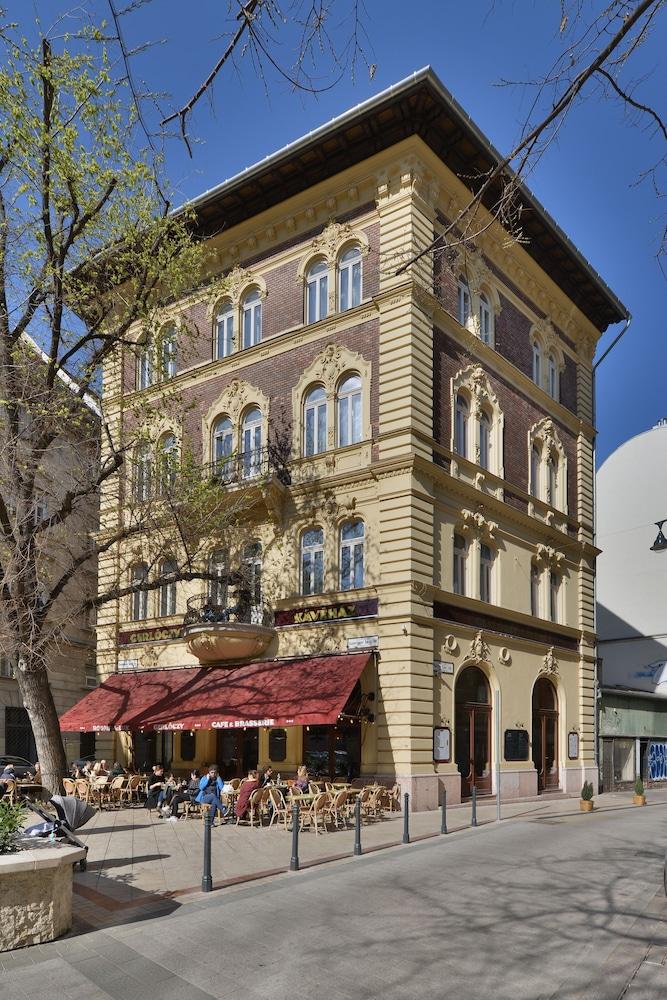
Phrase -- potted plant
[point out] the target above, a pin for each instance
(586, 801)
(11, 821)
(639, 798)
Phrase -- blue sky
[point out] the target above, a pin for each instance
(586, 179)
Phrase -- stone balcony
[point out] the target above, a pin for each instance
(217, 634)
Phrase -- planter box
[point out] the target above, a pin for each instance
(639, 800)
(36, 894)
(586, 805)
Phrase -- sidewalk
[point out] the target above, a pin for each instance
(140, 865)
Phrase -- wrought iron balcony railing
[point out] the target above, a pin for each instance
(202, 611)
(246, 466)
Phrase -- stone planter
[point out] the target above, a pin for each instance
(639, 800)
(586, 805)
(36, 894)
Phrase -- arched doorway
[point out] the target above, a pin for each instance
(545, 735)
(473, 731)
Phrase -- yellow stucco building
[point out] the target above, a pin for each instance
(436, 513)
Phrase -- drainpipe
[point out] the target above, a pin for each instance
(596, 683)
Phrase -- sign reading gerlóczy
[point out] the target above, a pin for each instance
(150, 634)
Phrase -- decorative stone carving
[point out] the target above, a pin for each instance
(504, 656)
(238, 395)
(549, 557)
(474, 521)
(333, 237)
(451, 645)
(479, 649)
(550, 663)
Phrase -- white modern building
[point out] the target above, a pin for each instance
(632, 609)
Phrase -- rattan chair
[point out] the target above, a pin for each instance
(280, 811)
(9, 793)
(68, 785)
(82, 789)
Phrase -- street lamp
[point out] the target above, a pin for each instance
(661, 542)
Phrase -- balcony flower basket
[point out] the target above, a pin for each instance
(639, 798)
(586, 801)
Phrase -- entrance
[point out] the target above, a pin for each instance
(545, 735)
(335, 751)
(237, 751)
(473, 731)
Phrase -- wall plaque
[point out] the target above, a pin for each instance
(363, 642)
(572, 746)
(516, 744)
(326, 613)
(443, 667)
(442, 741)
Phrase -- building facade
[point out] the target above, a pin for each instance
(632, 620)
(439, 425)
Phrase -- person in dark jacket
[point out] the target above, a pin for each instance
(156, 783)
(247, 788)
(210, 790)
(188, 794)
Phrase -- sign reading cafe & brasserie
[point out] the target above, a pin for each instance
(327, 613)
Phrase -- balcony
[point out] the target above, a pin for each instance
(246, 467)
(217, 634)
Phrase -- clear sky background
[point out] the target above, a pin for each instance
(586, 180)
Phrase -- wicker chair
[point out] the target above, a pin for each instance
(68, 785)
(281, 812)
(10, 791)
(339, 808)
(82, 789)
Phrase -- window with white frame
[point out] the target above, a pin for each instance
(485, 319)
(145, 365)
(317, 291)
(252, 318)
(168, 458)
(548, 465)
(461, 426)
(552, 377)
(143, 472)
(352, 534)
(224, 330)
(312, 561)
(349, 410)
(139, 600)
(218, 567)
(223, 447)
(168, 588)
(486, 561)
(554, 596)
(464, 310)
(168, 350)
(535, 591)
(552, 478)
(251, 435)
(460, 561)
(252, 567)
(484, 440)
(537, 363)
(349, 279)
(535, 463)
(315, 421)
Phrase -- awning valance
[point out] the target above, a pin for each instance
(298, 691)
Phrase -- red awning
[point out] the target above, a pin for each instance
(299, 691)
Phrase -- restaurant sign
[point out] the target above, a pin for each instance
(150, 635)
(327, 613)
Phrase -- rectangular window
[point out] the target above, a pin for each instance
(188, 746)
(459, 580)
(535, 592)
(554, 597)
(225, 334)
(6, 667)
(464, 303)
(486, 574)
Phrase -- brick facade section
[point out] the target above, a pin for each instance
(519, 411)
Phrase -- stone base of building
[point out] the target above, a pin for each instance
(36, 895)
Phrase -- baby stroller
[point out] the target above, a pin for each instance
(71, 814)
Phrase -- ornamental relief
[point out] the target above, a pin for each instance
(550, 663)
(476, 522)
(545, 431)
(474, 379)
(236, 398)
(549, 557)
(333, 237)
(479, 649)
(232, 286)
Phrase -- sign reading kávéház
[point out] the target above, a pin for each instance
(150, 635)
(327, 613)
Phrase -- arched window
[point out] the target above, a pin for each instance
(252, 571)
(223, 447)
(464, 303)
(139, 604)
(252, 319)
(349, 411)
(552, 479)
(485, 319)
(535, 591)
(485, 440)
(537, 363)
(168, 588)
(554, 596)
(143, 472)
(535, 462)
(552, 377)
(312, 561)
(252, 443)
(352, 555)
(349, 279)
(460, 556)
(224, 330)
(168, 348)
(145, 365)
(486, 560)
(168, 459)
(461, 426)
(317, 291)
(218, 567)
(315, 421)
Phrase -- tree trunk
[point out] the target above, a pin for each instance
(38, 700)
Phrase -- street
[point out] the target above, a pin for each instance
(557, 906)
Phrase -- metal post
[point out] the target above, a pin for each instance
(406, 818)
(357, 827)
(474, 806)
(499, 703)
(207, 878)
(443, 813)
(294, 860)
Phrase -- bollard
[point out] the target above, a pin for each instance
(357, 827)
(443, 813)
(406, 820)
(207, 878)
(474, 806)
(294, 860)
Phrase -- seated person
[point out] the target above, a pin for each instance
(247, 788)
(301, 783)
(210, 790)
(188, 793)
(155, 785)
(117, 770)
(7, 775)
(267, 777)
(37, 773)
(165, 795)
